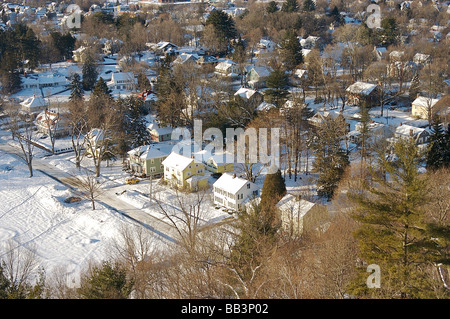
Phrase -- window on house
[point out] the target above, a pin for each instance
(248, 186)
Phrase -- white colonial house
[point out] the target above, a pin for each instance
(122, 81)
(232, 192)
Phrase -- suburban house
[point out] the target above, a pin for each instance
(146, 160)
(35, 81)
(310, 42)
(53, 121)
(320, 117)
(232, 192)
(227, 68)
(80, 54)
(299, 215)
(360, 92)
(422, 105)
(256, 76)
(214, 166)
(184, 172)
(250, 95)
(122, 81)
(418, 134)
(34, 104)
(161, 134)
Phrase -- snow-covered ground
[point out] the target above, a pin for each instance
(33, 215)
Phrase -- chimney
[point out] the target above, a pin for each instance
(410, 132)
(234, 175)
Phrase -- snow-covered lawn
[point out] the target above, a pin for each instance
(33, 215)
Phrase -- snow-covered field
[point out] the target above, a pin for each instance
(34, 216)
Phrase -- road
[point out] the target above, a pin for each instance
(107, 198)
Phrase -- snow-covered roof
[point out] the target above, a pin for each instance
(298, 208)
(423, 101)
(178, 161)
(34, 102)
(408, 129)
(245, 93)
(122, 76)
(230, 183)
(362, 88)
(147, 152)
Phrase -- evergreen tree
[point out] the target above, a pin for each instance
(437, 149)
(331, 159)
(414, 88)
(134, 124)
(274, 188)
(393, 233)
(89, 73)
(76, 88)
(309, 5)
(291, 50)
(272, 7)
(278, 84)
(106, 282)
(143, 82)
(101, 90)
(290, 6)
(223, 24)
(388, 35)
(64, 43)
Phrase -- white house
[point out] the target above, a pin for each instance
(53, 121)
(232, 192)
(43, 81)
(227, 68)
(421, 106)
(299, 215)
(122, 81)
(34, 104)
(419, 135)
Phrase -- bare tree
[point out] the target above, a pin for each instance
(21, 125)
(89, 185)
(78, 124)
(187, 217)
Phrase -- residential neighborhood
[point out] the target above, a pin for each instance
(225, 149)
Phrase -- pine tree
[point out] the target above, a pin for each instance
(274, 188)
(223, 24)
(290, 6)
(393, 234)
(331, 159)
(76, 88)
(309, 5)
(101, 89)
(437, 148)
(272, 7)
(277, 83)
(89, 73)
(106, 282)
(291, 50)
(134, 124)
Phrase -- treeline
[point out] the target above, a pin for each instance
(392, 216)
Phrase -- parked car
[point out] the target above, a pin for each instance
(132, 180)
